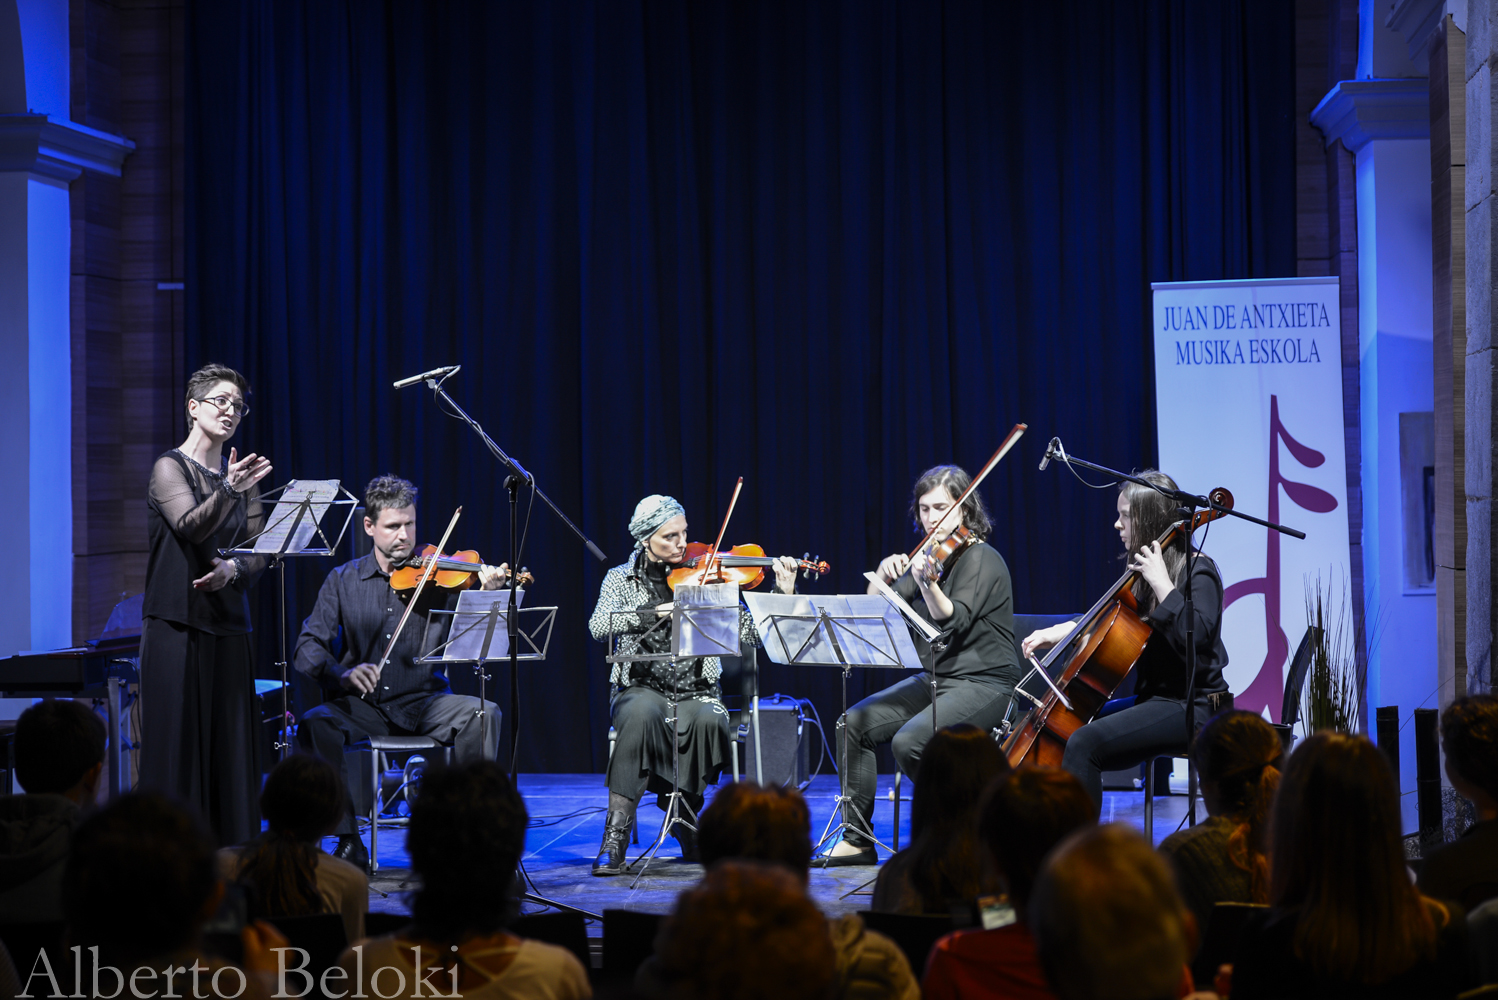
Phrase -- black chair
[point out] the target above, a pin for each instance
(565, 929)
(1295, 680)
(381, 924)
(1220, 939)
(26, 942)
(321, 936)
(913, 933)
(628, 939)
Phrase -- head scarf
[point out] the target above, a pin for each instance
(650, 513)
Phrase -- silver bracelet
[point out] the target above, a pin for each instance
(238, 570)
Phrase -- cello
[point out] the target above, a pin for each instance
(1108, 640)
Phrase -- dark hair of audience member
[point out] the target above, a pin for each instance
(759, 823)
(302, 801)
(139, 880)
(466, 836)
(1026, 813)
(1240, 755)
(1469, 735)
(745, 932)
(57, 743)
(1108, 921)
(946, 862)
(1336, 857)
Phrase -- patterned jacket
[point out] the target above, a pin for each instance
(626, 589)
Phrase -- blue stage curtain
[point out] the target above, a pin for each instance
(822, 246)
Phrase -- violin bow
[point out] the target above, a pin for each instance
(715, 556)
(426, 575)
(1015, 433)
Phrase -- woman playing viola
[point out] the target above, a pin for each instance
(976, 670)
(641, 758)
(1154, 725)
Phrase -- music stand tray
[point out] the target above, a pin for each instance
(704, 621)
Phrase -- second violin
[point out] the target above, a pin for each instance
(743, 564)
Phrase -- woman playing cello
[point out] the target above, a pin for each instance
(1154, 725)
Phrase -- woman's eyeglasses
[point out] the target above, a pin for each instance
(228, 404)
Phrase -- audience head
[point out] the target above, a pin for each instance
(946, 864)
(145, 856)
(746, 931)
(1469, 735)
(1025, 814)
(60, 749)
(956, 766)
(1239, 757)
(303, 801)
(1337, 858)
(758, 823)
(1108, 921)
(466, 836)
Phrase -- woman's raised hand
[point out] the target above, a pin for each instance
(892, 566)
(246, 472)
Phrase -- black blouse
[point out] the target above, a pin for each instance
(189, 518)
(980, 632)
(1162, 666)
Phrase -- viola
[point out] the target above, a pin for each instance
(452, 572)
(1108, 640)
(742, 564)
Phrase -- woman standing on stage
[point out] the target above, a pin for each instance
(199, 728)
(1155, 724)
(973, 606)
(641, 758)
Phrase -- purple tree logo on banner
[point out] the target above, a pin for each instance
(1268, 687)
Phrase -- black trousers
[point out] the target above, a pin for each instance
(903, 716)
(447, 718)
(200, 730)
(641, 760)
(1146, 730)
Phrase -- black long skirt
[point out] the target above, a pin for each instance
(199, 730)
(641, 760)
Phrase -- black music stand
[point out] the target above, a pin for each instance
(704, 622)
(842, 631)
(289, 530)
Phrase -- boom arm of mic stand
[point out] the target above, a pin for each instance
(518, 470)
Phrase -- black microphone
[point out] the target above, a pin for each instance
(1052, 450)
(449, 370)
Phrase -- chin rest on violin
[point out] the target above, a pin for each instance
(453, 572)
(742, 564)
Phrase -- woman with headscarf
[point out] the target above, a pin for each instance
(639, 692)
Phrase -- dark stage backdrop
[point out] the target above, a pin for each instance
(821, 246)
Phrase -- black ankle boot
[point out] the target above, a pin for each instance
(686, 837)
(615, 841)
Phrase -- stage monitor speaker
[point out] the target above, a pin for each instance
(786, 739)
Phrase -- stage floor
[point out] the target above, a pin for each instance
(567, 816)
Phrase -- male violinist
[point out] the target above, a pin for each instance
(344, 638)
(976, 667)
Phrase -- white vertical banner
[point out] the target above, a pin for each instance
(1248, 396)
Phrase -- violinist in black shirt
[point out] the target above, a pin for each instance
(1154, 725)
(976, 670)
(345, 637)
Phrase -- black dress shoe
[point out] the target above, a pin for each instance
(615, 842)
(351, 849)
(867, 856)
(686, 838)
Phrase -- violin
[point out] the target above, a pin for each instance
(1109, 639)
(452, 572)
(742, 564)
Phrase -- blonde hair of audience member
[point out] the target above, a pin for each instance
(1239, 756)
(1108, 922)
(1336, 856)
(745, 932)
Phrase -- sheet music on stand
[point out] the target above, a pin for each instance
(480, 629)
(300, 506)
(833, 630)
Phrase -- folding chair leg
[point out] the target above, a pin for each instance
(897, 809)
(377, 766)
(1149, 801)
